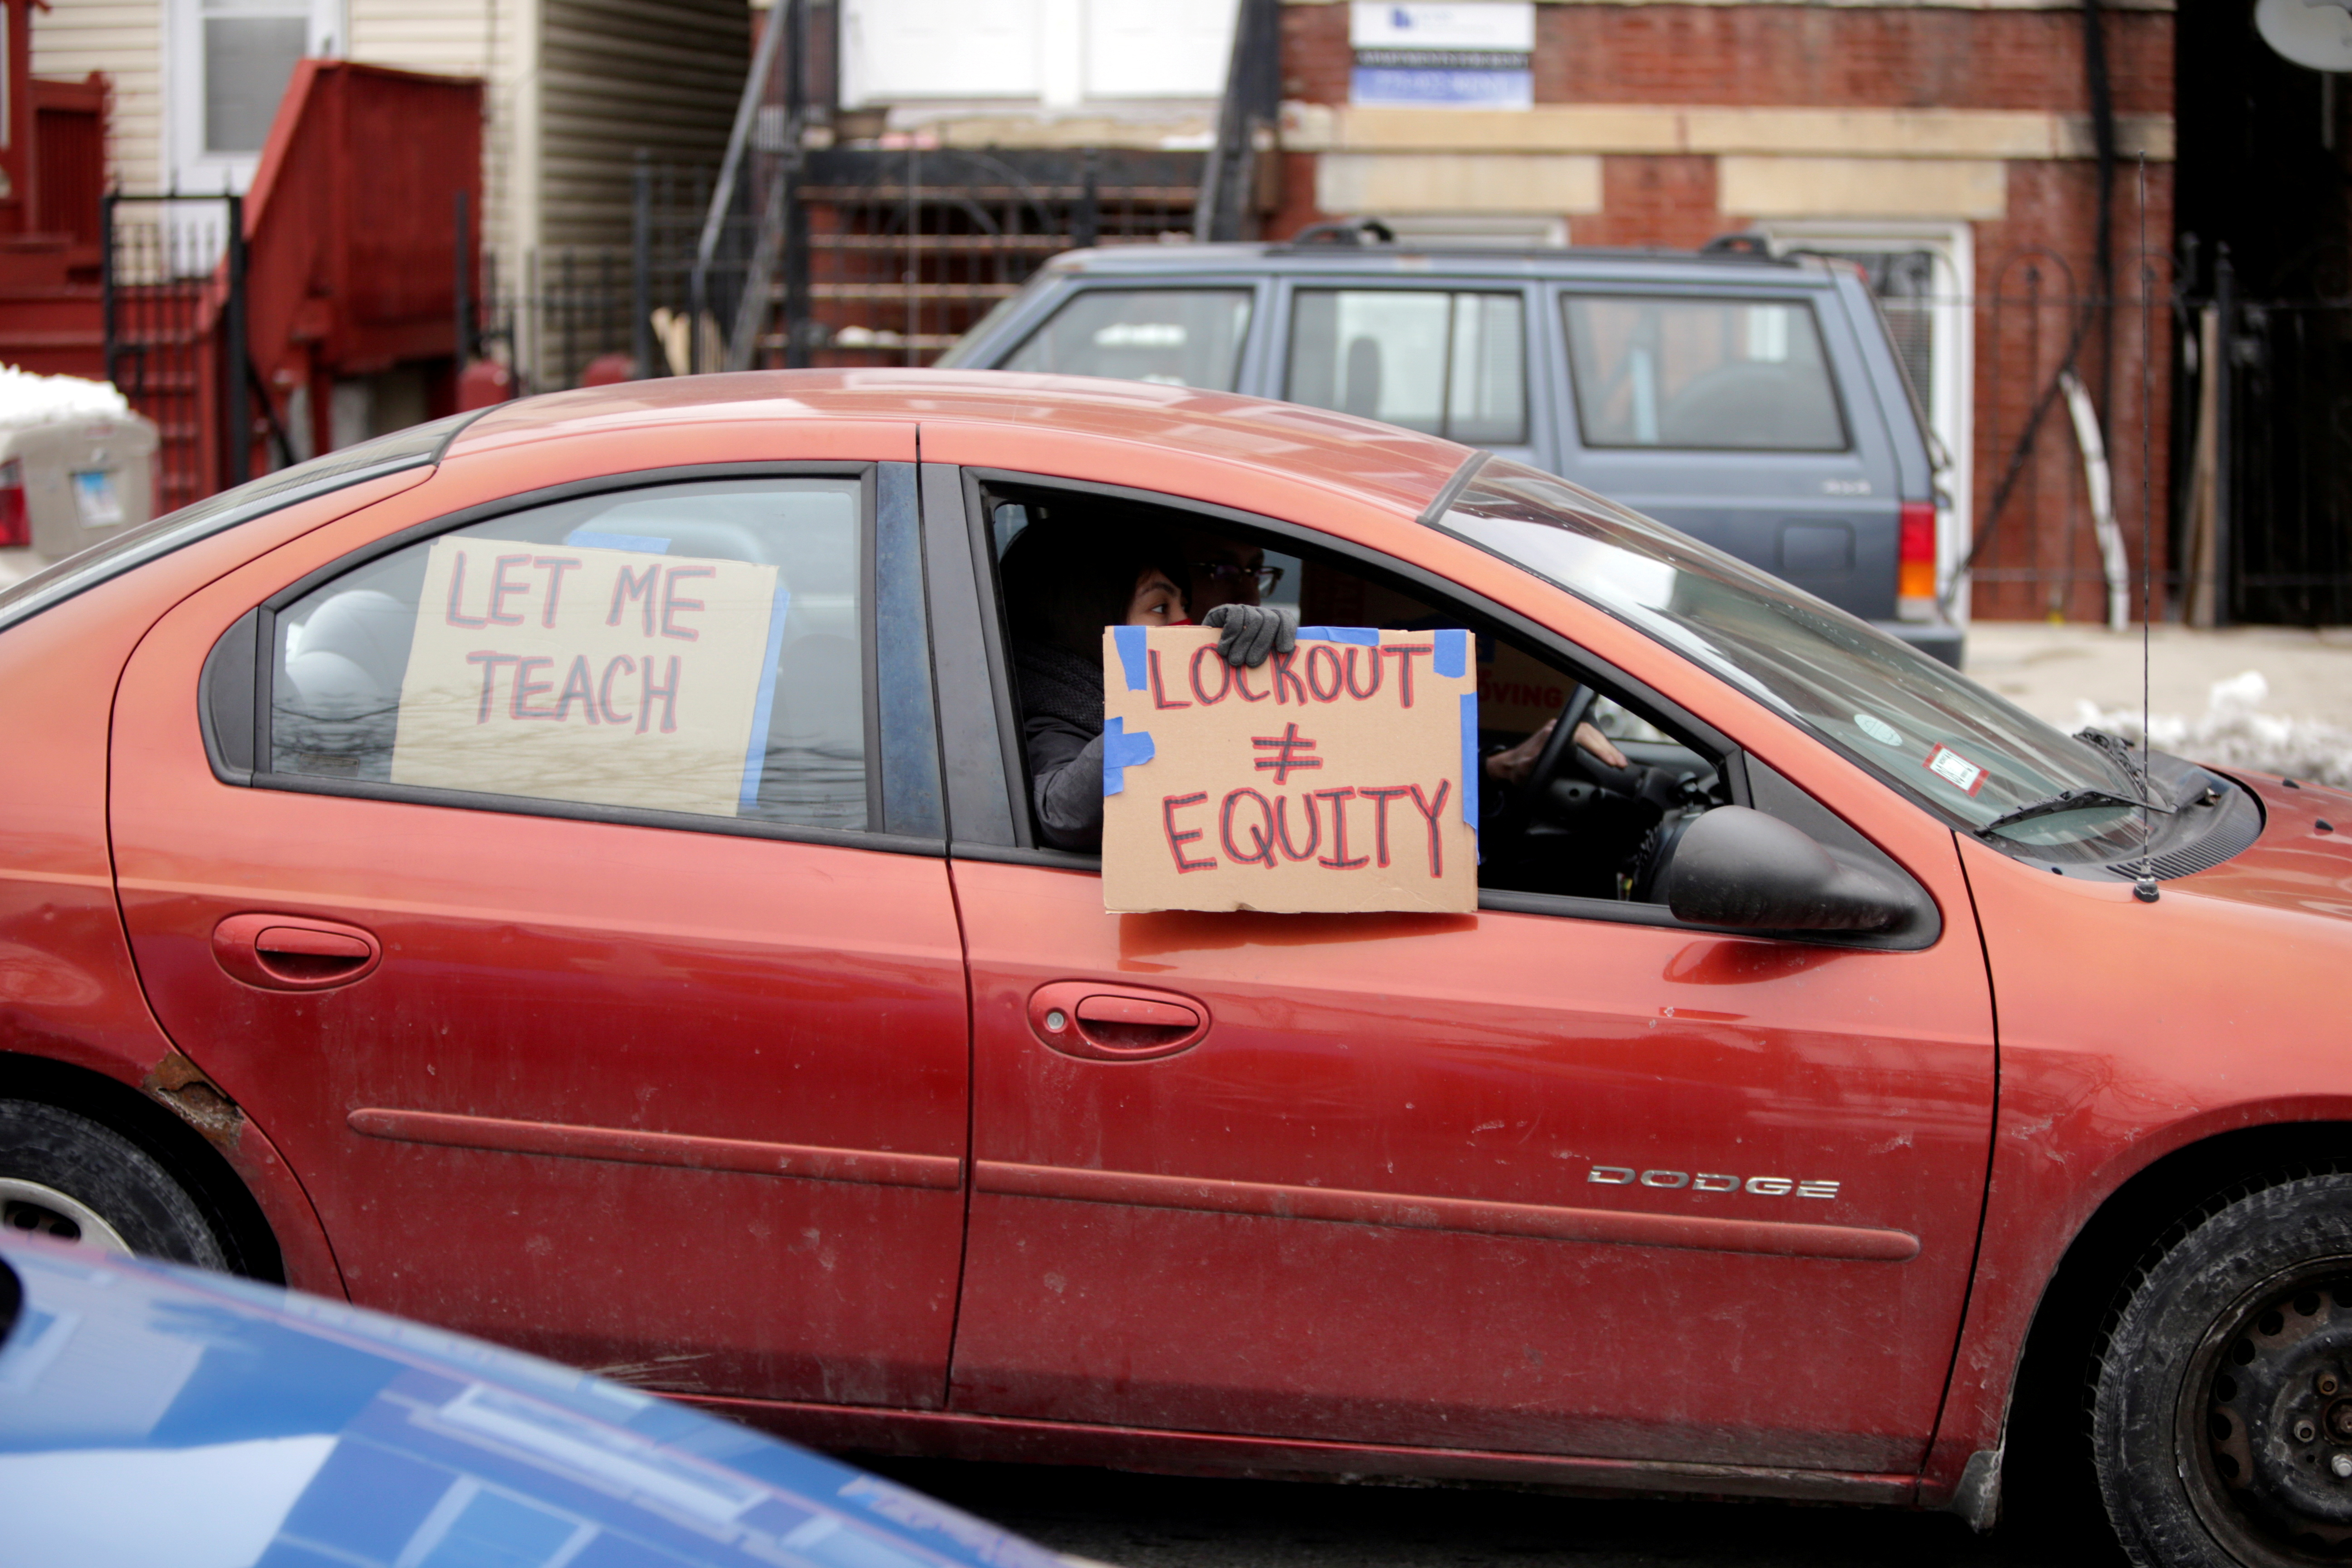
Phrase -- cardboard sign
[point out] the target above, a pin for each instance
(1342, 775)
(576, 673)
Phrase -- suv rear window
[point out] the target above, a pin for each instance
(1176, 337)
(1447, 363)
(1719, 374)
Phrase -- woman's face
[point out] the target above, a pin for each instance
(1157, 602)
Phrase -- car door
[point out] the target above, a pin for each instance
(1560, 1176)
(1743, 417)
(570, 1048)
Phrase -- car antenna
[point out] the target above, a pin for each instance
(2145, 889)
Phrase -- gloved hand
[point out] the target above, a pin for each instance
(1248, 633)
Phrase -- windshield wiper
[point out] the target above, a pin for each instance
(2069, 800)
(2121, 749)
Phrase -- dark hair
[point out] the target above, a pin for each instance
(1067, 578)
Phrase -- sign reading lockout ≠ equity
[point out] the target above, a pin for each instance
(1342, 775)
(574, 673)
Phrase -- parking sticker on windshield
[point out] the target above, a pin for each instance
(1955, 770)
(1878, 729)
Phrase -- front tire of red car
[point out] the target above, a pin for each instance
(72, 1179)
(2221, 1423)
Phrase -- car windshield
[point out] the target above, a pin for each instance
(1921, 725)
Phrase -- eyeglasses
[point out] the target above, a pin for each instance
(1269, 577)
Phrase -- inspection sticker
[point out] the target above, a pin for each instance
(1878, 729)
(1955, 770)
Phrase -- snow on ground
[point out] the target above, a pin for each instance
(26, 398)
(2234, 732)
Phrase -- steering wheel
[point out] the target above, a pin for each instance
(1558, 744)
(1560, 752)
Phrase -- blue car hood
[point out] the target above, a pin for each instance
(153, 1415)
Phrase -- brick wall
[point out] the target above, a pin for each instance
(2031, 261)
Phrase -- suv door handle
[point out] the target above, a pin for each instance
(1094, 1022)
(294, 953)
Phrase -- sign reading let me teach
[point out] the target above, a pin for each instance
(1340, 777)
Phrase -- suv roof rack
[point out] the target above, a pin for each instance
(1348, 231)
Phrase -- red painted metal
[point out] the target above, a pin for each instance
(695, 1108)
(584, 977)
(285, 952)
(1697, 1233)
(67, 990)
(350, 230)
(1080, 1018)
(633, 1146)
(948, 1434)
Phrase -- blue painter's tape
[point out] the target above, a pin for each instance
(1130, 642)
(642, 543)
(755, 755)
(1471, 764)
(1452, 651)
(1363, 636)
(1121, 751)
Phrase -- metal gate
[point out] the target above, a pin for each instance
(2281, 536)
(173, 286)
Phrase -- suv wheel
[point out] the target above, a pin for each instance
(2221, 1424)
(66, 1176)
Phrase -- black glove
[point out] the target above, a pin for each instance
(1248, 633)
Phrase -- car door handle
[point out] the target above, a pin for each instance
(1094, 1022)
(293, 952)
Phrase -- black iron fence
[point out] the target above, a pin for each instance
(171, 277)
(2273, 380)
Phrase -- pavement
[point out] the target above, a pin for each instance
(2048, 669)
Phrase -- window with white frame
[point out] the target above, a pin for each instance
(230, 61)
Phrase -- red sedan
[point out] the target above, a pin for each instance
(661, 999)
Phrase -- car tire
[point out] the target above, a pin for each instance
(65, 1176)
(2221, 1420)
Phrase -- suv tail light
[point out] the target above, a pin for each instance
(1914, 579)
(16, 522)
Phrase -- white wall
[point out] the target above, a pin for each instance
(1054, 53)
(124, 39)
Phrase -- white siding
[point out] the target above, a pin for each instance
(619, 75)
(124, 39)
(492, 40)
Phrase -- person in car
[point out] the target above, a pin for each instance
(1064, 582)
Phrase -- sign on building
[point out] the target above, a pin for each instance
(1473, 55)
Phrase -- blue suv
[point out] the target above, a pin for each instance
(1751, 400)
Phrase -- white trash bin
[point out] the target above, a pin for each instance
(76, 467)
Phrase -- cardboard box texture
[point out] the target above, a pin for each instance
(1340, 777)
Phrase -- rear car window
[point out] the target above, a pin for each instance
(1175, 337)
(1701, 374)
(1446, 363)
(694, 647)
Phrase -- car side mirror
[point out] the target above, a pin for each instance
(1736, 867)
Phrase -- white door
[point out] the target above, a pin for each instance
(228, 64)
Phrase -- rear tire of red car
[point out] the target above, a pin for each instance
(2222, 1425)
(67, 1176)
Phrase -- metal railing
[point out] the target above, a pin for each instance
(172, 288)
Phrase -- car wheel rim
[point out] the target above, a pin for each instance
(2265, 1420)
(29, 1207)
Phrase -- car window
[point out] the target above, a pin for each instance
(1175, 337)
(694, 647)
(1921, 725)
(1585, 835)
(1450, 364)
(1722, 375)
